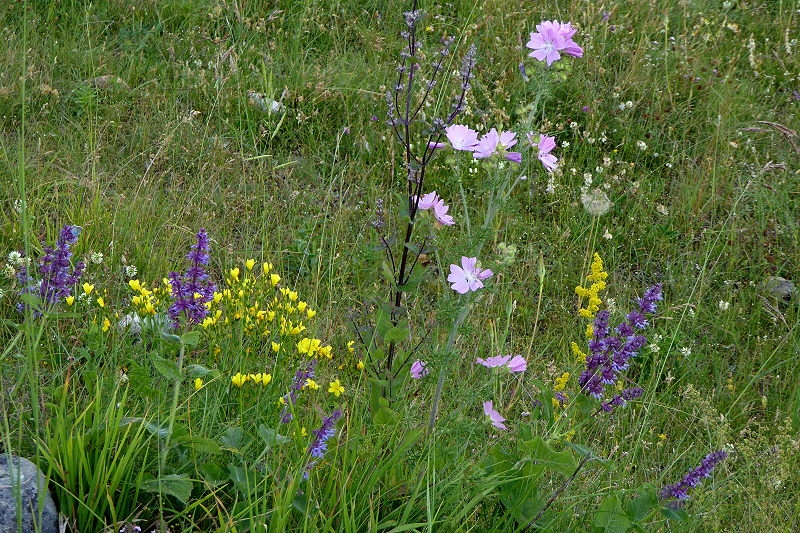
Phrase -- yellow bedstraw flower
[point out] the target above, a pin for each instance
(70, 300)
(198, 384)
(249, 264)
(597, 278)
(336, 388)
(580, 357)
(88, 288)
(561, 381)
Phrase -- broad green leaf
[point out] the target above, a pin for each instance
(643, 503)
(202, 445)
(610, 517)
(192, 338)
(177, 485)
(396, 334)
(385, 416)
(271, 437)
(675, 514)
(166, 367)
(233, 438)
(542, 453)
(197, 371)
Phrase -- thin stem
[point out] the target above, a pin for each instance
(176, 389)
(560, 489)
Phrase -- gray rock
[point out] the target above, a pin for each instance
(18, 476)
(779, 288)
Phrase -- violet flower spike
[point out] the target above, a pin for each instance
(303, 374)
(680, 491)
(319, 445)
(193, 290)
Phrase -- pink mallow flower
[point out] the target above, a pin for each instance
(419, 370)
(550, 39)
(497, 143)
(495, 417)
(544, 146)
(427, 200)
(461, 137)
(467, 277)
(440, 213)
(514, 364)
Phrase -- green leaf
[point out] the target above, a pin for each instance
(643, 503)
(166, 367)
(396, 334)
(675, 514)
(542, 453)
(202, 445)
(387, 272)
(177, 485)
(385, 416)
(271, 437)
(191, 338)
(197, 371)
(610, 517)
(233, 439)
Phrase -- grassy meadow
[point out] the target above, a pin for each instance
(291, 405)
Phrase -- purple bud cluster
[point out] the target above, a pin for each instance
(680, 491)
(193, 290)
(57, 276)
(302, 374)
(319, 445)
(610, 354)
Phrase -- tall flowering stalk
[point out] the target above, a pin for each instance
(301, 377)
(610, 354)
(193, 290)
(58, 277)
(405, 104)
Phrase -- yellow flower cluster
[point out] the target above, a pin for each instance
(240, 379)
(314, 348)
(258, 306)
(146, 301)
(559, 385)
(597, 278)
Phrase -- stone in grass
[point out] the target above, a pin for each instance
(18, 476)
(779, 288)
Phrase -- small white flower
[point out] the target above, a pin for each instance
(662, 209)
(641, 145)
(607, 235)
(130, 271)
(96, 258)
(654, 348)
(723, 305)
(686, 351)
(564, 144)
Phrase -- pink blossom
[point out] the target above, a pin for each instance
(544, 146)
(494, 361)
(495, 417)
(419, 370)
(467, 277)
(427, 200)
(550, 39)
(462, 137)
(517, 364)
(497, 143)
(514, 364)
(440, 213)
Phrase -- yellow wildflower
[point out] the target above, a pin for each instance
(238, 379)
(235, 274)
(106, 324)
(311, 384)
(301, 306)
(88, 288)
(249, 264)
(311, 313)
(266, 267)
(198, 384)
(360, 365)
(579, 355)
(70, 300)
(274, 279)
(336, 388)
(275, 346)
(561, 381)
(135, 284)
(101, 302)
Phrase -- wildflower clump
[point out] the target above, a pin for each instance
(57, 276)
(192, 290)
